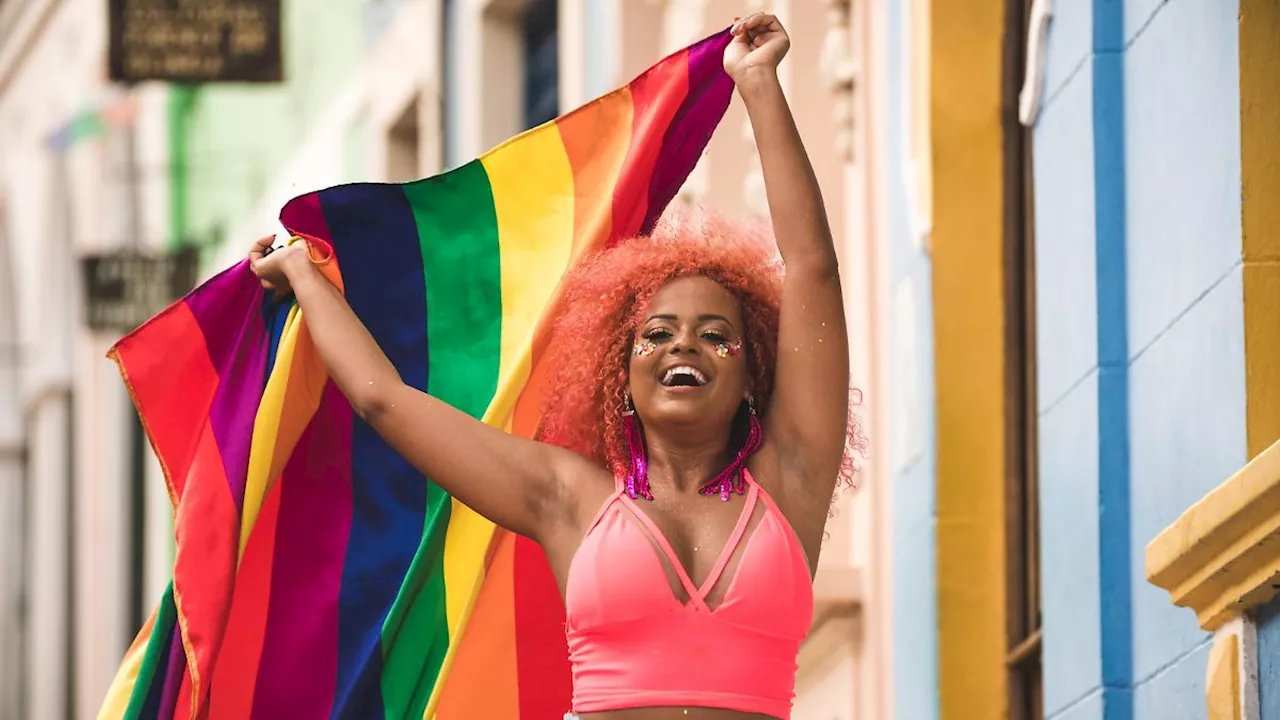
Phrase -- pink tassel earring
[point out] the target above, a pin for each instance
(637, 484)
(731, 479)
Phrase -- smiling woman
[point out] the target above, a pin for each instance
(717, 285)
(691, 372)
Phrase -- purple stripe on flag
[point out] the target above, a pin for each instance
(710, 90)
(304, 215)
(298, 669)
(237, 342)
(175, 669)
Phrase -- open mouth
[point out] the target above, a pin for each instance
(683, 376)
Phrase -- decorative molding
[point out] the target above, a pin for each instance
(1231, 675)
(1222, 679)
(839, 69)
(1222, 556)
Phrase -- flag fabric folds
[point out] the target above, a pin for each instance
(317, 574)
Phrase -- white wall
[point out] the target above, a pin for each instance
(65, 393)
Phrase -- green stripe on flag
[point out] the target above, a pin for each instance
(157, 648)
(458, 231)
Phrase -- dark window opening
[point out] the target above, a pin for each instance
(541, 63)
(1023, 658)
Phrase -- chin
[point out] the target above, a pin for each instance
(675, 411)
(675, 417)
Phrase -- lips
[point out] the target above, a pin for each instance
(684, 376)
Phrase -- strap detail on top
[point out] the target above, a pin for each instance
(665, 547)
(698, 596)
(782, 520)
(768, 499)
(748, 509)
(604, 507)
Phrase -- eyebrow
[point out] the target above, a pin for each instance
(701, 318)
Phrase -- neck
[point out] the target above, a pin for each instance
(685, 465)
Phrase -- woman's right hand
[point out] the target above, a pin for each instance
(273, 266)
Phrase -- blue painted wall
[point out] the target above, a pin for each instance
(1185, 307)
(912, 457)
(1269, 659)
(1080, 342)
(1141, 359)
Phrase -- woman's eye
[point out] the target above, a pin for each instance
(657, 335)
(714, 337)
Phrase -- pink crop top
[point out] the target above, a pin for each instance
(633, 644)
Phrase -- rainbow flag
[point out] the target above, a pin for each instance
(317, 574)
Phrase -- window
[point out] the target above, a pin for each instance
(1023, 660)
(541, 63)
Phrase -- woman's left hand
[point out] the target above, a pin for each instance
(759, 44)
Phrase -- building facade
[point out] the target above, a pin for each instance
(1216, 552)
(83, 536)
(1104, 385)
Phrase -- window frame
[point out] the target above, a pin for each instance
(1025, 639)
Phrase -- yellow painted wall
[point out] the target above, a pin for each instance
(968, 308)
(1260, 173)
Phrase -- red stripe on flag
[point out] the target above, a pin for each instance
(545, 687)
(172, 340)
(657, 96)
(237, 672)
(207, 530)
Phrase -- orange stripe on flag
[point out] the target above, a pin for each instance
(483, 681)
(596, 152)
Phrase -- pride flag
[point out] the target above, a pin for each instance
(317, 574)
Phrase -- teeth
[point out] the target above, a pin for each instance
(684, 370)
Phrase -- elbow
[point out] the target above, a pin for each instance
(373, 401)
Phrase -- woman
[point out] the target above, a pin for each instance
(690, 448)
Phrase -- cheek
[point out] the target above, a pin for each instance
(739, 374)
(639, 368)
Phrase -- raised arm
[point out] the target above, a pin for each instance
(809, 410)
(507, 479)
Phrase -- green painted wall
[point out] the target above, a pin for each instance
(226, 140)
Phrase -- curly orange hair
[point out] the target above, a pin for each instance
(602, 305)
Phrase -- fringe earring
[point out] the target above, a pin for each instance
(730, 479)
(637, 484)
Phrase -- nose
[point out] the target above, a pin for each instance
(684, 341)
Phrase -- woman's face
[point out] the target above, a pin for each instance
(688, 363)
